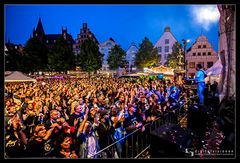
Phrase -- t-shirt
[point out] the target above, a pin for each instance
(40, 149)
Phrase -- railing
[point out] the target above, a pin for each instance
(137, 142)
(131, 145)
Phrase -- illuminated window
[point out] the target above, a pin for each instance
(191, 64)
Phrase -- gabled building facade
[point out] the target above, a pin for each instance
(164, 45)
(201, 52)
(105, 48)
(50, 39)
(84, 34)
(130, 55)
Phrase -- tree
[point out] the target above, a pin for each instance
(61, 57)
(13, 59)
(90, 57)
(173, 58)
(35, 55)
(147, 55)
(116, 58)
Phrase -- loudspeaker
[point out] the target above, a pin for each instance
(169, 140)
(197, 119)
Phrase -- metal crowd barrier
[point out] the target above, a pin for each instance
(134, 144)
(131, 145)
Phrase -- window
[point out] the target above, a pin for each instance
(160, 49)
(209, 64)
(109, 44)
(165, 57)
(199, 54)
(199, 46)
(202, 63)
(191, 75)
(194, 54)
(191, 64)
(203, 53)
(204, 46)
(209, 53)
(166, 41)
(166, 48)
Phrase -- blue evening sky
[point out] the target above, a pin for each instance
(124, 23)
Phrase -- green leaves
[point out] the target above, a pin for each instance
(173, 58)
(35, 55)
(90, 58)
(116, 58)
(147, 55)
(61, 57)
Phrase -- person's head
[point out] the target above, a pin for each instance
(54, 114)
(39, 131)
(198, 67)
(30, 105)
(78, 109)
(142, 98)
(87, 128)
(104, 115)
(121, 98)
(131, 108)
(65, 142)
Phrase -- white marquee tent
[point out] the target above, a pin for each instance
(16, 76)
(215, 70)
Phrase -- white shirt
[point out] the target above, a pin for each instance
(92, 150)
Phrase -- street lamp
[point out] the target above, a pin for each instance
(184, 51)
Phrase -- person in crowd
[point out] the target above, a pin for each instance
(15, 138)
(214, 88)
(105, 131)
(88, 141)
(64, 147)
(200, 79)
(40, 144)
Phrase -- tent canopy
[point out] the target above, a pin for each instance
(161, 69)
(215, 70)
(16, 76)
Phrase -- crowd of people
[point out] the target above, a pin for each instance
(75, 118)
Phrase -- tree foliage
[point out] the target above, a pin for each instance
(61, 57)
(147, 55)
(116, 58)
(35, 55)
(173, 58)
(90, 57)
(13, 59)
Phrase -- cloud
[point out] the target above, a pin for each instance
(205, 15)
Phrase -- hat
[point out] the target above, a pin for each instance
(103, 112)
